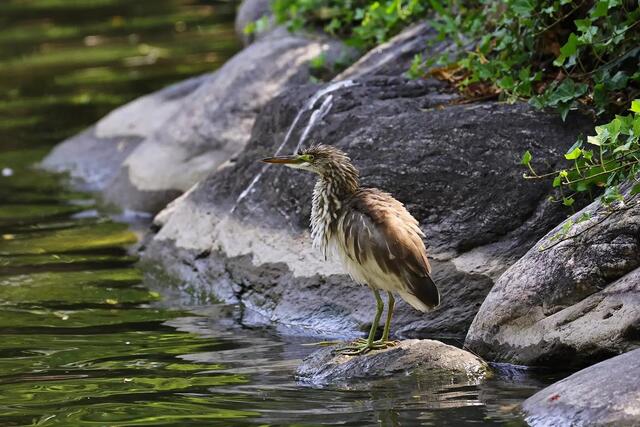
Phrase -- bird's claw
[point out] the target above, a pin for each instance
(386, 343)
(362, 346)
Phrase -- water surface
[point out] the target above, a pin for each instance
(82, 340)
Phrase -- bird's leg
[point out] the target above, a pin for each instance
(385, 342)
(387, 324)
(361, 346)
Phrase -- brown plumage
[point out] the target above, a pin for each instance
(380, 236)
(376, 238)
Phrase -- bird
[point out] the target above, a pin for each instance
(373, 236)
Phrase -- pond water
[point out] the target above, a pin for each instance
(82, 340)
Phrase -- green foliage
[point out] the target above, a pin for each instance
(561, 54)
(604, 160)
(258, 26)
(363, 23)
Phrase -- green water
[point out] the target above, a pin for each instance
(82, 340)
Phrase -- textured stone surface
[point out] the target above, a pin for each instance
(575, 303)
(325, 366)
(160, 145)
(605, 394)
(456, 167)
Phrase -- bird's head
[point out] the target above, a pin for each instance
(322, 159)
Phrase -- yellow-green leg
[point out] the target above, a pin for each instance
(361, 346)
(387, 324)
(370, 343)
(384, 342)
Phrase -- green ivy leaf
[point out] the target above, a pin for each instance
(594, 140)
(636, 127)
(600, 9)
(563, 109)
(568, 201)
(622, 148)
(567, 51)
(635, 106)
(587, 154)
(573, 154)
(526, 158)
(566, 91)
(618, 81)
(523, 7)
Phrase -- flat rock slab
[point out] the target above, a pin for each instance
(326, 366)
(607, 393)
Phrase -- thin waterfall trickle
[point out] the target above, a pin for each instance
(316, 115)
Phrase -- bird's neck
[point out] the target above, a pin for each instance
(329, 194)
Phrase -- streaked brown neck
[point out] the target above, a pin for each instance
(335, 184)
(341, 179)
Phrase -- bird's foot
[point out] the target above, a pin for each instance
(362, 346)
(385, 343)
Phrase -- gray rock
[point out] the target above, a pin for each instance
(250, 11)
(95, 156)
(605, 394)
(145, 153)
(92, 162)
(456, 167)
(325, 366)
(574, 303)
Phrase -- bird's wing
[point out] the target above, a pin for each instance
(377, 227)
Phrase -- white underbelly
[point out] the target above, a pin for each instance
(368, 273)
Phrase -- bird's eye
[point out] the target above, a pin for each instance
(309, 157)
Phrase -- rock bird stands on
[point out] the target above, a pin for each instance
(371, 233)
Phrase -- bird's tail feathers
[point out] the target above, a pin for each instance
(422, 293)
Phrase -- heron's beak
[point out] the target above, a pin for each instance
(286, 160)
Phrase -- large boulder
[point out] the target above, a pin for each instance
(605, 394)
(144, 154)
(241, 234)
(326, 366)
(572, 299)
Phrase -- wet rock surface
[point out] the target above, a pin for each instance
(575, 302)
(158, 146)
(326, 366)
(456, 167)
(605, 394)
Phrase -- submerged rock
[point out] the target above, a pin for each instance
(326, 366)
(568, 301)
(156, 147)
(242, 232)
(605, 394)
